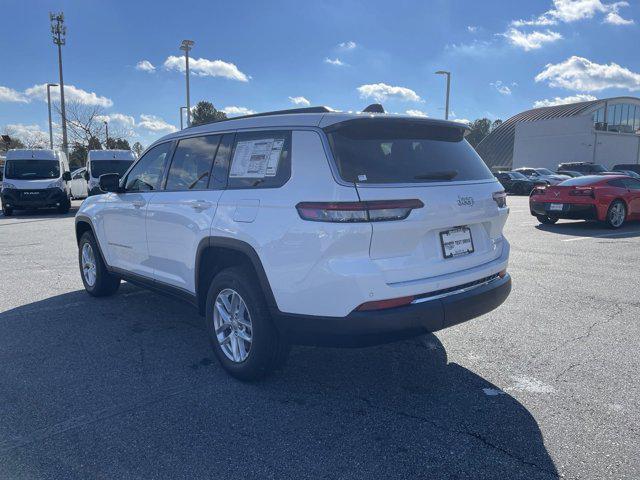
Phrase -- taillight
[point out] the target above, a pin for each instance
(382, 304)
(346, 212)
(582, 192)
(538, 191)
(500, 198)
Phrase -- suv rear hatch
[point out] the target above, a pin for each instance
(460, 225)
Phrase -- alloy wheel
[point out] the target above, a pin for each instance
(88, 265)
(232, 323)
(617, 214)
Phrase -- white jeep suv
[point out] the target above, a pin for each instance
(305, 226)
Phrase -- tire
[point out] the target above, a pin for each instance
(546, 220)
(7, 211)
(245, 360)
(101, 283)
(616, 214)
(65, 206)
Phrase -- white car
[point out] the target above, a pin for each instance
(78, 184)
(35, 179)
(305, 227)
(542, 175)
(100, 162)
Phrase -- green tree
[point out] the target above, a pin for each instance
(78, 155)
(205, 112)
(137, 149)
(117, 144)
(480, 128)
(93, 144)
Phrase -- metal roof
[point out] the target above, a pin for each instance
(496, 149)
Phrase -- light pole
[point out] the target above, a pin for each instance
(181, 108)
(59, 32)
(446, 108)
(106, 132)
(186, 45)
(49, 85)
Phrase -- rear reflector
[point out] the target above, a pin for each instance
(383, 304)
(373, 211)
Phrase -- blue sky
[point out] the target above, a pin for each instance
(505, 56)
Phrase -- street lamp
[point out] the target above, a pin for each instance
(446, 108)
(59, 32)
(106, 132)
(186, 45)
(49, 85)
(181, 116)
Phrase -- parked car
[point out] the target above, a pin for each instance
(570, 173)
(78, 184)
(542, 175)
(100, 162)
(628, 173)
(516, 183)
(611, 199)
(306, 226)
(586, 168)
(634, 167)
(35, 179)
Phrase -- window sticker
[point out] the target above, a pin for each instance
(256, 158)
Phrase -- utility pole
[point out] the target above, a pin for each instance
(446, 108)
(49, 85)
(59, 32)
(187, 45)
(106, 131)
(181, 125)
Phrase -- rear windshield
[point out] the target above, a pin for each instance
(100, 167)
(579, 181)
(32, 169)
(403, 151)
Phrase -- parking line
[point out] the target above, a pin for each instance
(604, 235)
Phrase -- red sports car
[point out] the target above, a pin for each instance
(612, 199)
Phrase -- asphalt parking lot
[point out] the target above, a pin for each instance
(127, 387)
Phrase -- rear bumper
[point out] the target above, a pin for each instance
(575, 211)
(45, 198)
(382, 326)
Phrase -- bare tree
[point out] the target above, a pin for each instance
(86, 122)
(32, 138)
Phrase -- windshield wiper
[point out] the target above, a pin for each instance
(443, 175)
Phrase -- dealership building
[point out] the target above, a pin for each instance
(603, 131)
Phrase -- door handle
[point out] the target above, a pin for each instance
(138, 203)
(200, 204)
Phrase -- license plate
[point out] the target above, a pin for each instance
(456, 242)
(556, 207)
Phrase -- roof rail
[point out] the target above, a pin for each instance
(275, 112)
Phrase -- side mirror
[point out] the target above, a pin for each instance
(66, 176)
(85, 174)
(110, 182)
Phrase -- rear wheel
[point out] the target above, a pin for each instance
(616, 215)
(96, 278)
(546, 220)
(240, 329)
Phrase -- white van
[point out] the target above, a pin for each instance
(35, 179)
(100, 162)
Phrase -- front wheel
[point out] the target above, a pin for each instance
(96, 278)
(616, 215)
(240, 329)
(546, 220)
(7, 211)
(65, 206)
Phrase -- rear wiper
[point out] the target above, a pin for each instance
(443, 175)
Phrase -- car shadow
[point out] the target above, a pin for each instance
(591, 229)
(38, 214)
(127, 386)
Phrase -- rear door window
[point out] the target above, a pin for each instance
(403, 151)
(192, 161)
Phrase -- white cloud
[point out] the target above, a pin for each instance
(563, 100)
(614, 18)
(300, 101)
(31, 135)
(472, 28)
(71, 93)
(145, 66)
(119, 118)
(501, 87)
(579, 73)
(530, 41)
(155, 124)
(206, 68)
(416, 113)
(337, 62)
(568, 11)
(381, 91)
(474, 49)
(350, 45)
(237, 111)
(466, 121)
(10, 95)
